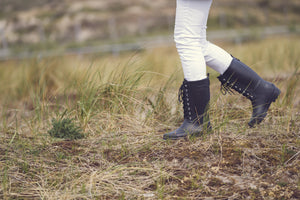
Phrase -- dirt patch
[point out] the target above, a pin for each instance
(69, 147)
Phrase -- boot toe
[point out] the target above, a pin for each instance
(176, 135)
(256, 120)
(260, 112)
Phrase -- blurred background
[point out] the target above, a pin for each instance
(54, 27)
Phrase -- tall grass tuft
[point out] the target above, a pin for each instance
(292, 84)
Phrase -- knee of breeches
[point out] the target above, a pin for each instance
(185, 42)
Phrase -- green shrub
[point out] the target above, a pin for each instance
(65, 128)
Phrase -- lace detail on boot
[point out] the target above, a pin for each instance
(228, 87)
(183, 97)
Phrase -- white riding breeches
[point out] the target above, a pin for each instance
(190, 37)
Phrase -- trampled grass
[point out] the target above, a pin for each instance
(123, 105)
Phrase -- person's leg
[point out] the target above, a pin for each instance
(241, 78)
(189, 34)
(195, 52)
(190, 37)
(216, 58)
(190, 30)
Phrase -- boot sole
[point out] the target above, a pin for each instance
(175, 138)
(182, 136)
(207, 130)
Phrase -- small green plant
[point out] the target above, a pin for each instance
(65, 128)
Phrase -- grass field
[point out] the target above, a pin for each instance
(122, 105)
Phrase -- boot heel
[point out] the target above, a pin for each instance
(276, 94)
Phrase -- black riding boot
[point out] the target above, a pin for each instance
(195, 96)
(244, 80)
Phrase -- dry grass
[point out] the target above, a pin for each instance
(124, 106)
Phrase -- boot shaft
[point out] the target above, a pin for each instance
(240, 78)
(245, 81)
(195, 96)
